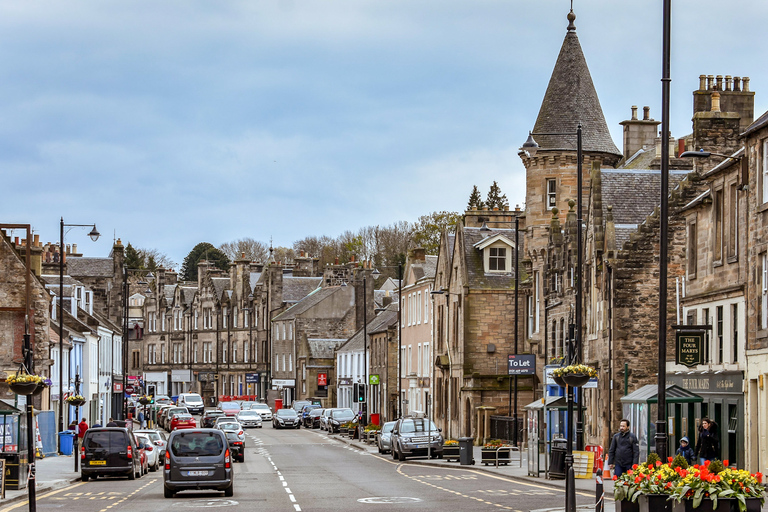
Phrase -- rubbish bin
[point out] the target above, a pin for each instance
(466, 451)
(557, 458)
(66, 439)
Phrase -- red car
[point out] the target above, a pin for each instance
(180, 421)
(229, 408)
(143, 447)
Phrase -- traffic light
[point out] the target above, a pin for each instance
(360, 393)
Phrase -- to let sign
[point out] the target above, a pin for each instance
(689, 347)
(522, 364)
(322, 379)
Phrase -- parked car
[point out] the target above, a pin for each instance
(246, 405)
(326, 414)
(249, 418)
(285, 418)
(235, 438)
(384, 439)
(182, 420)
(312, 419)
(209, 418)
(338, 417)
(411, 437)
(159, 441)
(198, 459)
(264, 410)
(170, 414)
(305, 411)
(298, 405)
(163, 400)
(161, 413)
(109, 451)
(229, 408)
(149, 453)
(192, 401)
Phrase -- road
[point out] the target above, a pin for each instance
(295, 470)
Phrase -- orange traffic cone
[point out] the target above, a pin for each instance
(606, 471)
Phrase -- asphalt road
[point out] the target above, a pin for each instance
(295, 470)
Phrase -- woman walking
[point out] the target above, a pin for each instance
(708, 444)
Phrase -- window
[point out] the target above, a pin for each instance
(537, 295)
(765, 171)
(162, 327)
(152, 354)
(194, 352)
(707, 335)
(245, 352)
(691, 252)
(418, 360)
(225, 318)
(246, 318)
(402, 358)
(409, 360)
(426, 306)
(763, 320)
(224, 353)
(162, 352)
(234, 318)
(234, 352)
(425, 361)
(733, 221)
(290, 331)
(283, 362)
(735, 333)
(196, 319)
(290, 362)
(720, 320)
(717, 206)
(136, 359)
(497, 259)
(403, 314)
(551, 193)
(418, 307)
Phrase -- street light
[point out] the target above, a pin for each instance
(376, 274)
(531, 147)
(364, 405)
(94, 235)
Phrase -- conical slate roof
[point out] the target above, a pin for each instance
(571, 98)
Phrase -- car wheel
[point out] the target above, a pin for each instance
(242, 457)
(168, 493)
(84, 478)
(394, 455)
(229, 491)
(400, 456)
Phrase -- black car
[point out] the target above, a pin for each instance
(198, 459)
(209, 418)
(286, 418)
(312, 419)
(339, 417)
(108, 451)
(305, 411)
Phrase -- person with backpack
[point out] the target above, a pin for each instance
(624, 451)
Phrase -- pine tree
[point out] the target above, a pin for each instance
(495, 198)
(202, 251)
(475, 200)
(133, 259)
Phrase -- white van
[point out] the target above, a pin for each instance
(192, 401)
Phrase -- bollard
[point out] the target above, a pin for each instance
(599, 493)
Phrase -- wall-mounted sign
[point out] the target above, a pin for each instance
(251, 378)
(117, 387)
(373, 380)
(689, 347)
(322, 379)
(522, 364)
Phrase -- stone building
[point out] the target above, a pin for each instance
(383, 333)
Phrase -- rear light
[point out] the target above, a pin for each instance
(129, 452)
(240, 433)
(82, 453)
(167, 460)
(149, 448)
(238, 443)
(227, 461)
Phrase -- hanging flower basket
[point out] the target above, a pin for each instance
(76, 400)
(144, 400)
(26, 384)
(559, 381)
(575, 375)
(24, 388)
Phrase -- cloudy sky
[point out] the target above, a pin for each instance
(174, 122)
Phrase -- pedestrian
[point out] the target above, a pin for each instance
(82, 427)
(111, 423)
(624, 451)
(73, 426)
(686, 451)
(708, 445)
(142, 422)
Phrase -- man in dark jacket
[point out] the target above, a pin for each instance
(624, 450)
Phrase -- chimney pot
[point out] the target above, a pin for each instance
(737, 83)
(710, 82)
(646, 113)
(719, 79)
(715, 101)
(634, 112)
(702, 82)
(37, 241)
(728, 82)
(745, 84)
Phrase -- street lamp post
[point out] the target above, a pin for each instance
(530, 146)
(364, 416)
(94, 235)
(75, 440)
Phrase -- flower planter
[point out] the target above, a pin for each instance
(24, 388)
(559, 381)
(576, 379)
(723, 505)
(627, 506)
(753, 505)
(76, 403)
(451, 452)
(654, 503)
(343, 431)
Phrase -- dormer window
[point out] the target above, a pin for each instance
(497, 259)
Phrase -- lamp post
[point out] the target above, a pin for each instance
(375, 274)
(76, 439)
(530, 146)
(94, 235)
(364, 405)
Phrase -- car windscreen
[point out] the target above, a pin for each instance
(315, 412)
(252, 414)
(230, 406)
(344, 415)
(105, 440)
(195, 444)
(418, 425)
(183, 417)
(260, 406)
(388, 426)
(287, 413)
(229, 426)
(194, 399)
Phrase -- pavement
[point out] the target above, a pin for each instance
(56, 472)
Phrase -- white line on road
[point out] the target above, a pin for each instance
(297, 507)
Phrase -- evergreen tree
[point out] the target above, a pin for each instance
(495, 198)
(133, 258)
(429, 229)
(475, 199)
(202, 251)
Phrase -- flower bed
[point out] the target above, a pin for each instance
(451, 450)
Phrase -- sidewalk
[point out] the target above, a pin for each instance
(514, 470)
(52, 472)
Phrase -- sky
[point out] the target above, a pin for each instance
(175, 122)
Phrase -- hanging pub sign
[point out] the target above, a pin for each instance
(689, 346)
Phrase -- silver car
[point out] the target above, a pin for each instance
(385, 437)
(416, 437)
(235, 438)
(151, 450)
(249, 418)
(263, 409)
(158, 441)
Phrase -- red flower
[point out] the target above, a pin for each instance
(637, 479)
(658, 463)
(725, 463)
(759, 477)
(634, 466)
(630, 472)
(615, 478)
(670, 459)
(706, 463)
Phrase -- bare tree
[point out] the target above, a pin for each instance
(247, 248)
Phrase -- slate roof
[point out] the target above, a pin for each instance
(633, 194)
(254, 278)
(219, 285)
(54, 280)
(90, 267)
(571, 98)
(425, 269)
(296, 288)
(760, 122)
(476, 276)
(381, 322)
(380, 295)
(315, 297)
(323, 348)
(188, 294)
(168, 291)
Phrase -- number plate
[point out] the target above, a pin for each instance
(98, 463)
(197, 473)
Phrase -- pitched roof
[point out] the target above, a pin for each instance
(760, 122)
(476, 276)
(254, 278)
(633, 194)
(90, 267)
(378, 324)
(296, 288)
(315, 297)
(322, 348)
(571, 99)
(424, 269)
(219, 285)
